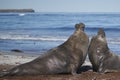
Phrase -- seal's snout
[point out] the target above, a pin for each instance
(80, 26)
(101, 32)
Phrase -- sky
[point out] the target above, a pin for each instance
(63, 5)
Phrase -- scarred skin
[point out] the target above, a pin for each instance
(65, 58)
(103, 60)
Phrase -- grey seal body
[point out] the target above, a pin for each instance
(103, 60)
(66, 58)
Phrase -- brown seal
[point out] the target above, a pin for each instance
(103, 60)
(66, 58)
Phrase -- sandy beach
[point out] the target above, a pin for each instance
(9, 60)
(15, 58)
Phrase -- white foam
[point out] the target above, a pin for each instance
(113, 41)
(22, 14)
(27, 37)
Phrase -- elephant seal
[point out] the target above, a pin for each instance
(66, 58)
(103, 60)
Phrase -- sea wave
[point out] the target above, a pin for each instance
(88, 28)
(28, 37)
(105, 28)
(48, 38)
(65, 28)
(9, 14)
(113, 41)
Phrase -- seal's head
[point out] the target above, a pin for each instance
(101, 33)
(100, 42)
(100, 38)
(80, 26)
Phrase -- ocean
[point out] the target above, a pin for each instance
(39, 32)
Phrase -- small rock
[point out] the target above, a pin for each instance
(16, 50)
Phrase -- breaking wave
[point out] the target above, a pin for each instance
(27, 37)
(48, 38)
(115, 41)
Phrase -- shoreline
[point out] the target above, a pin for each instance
(15, 58)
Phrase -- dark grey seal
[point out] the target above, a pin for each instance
(103, 60)
(66, 58)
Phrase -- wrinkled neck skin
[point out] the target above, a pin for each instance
(78, 41)
(100, 46)
(83, 39)
(104, 52)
